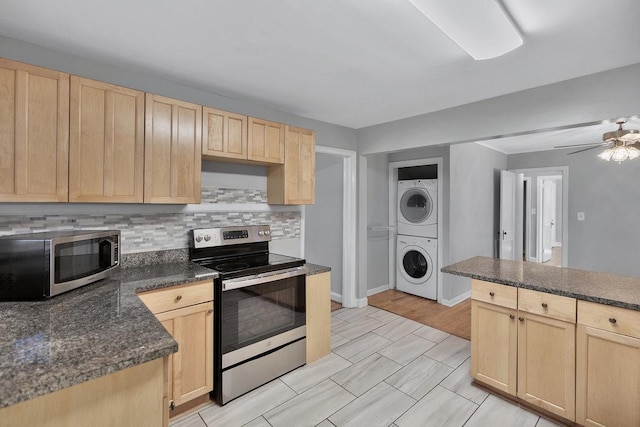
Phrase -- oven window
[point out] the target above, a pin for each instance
(74, 260)
(262, 311)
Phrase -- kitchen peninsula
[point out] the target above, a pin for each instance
(560, 340)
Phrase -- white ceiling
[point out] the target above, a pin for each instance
(349, 62)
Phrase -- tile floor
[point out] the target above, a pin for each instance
(384, 370)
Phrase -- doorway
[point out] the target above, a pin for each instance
(331, 222)
(548, 236)
(546, 215)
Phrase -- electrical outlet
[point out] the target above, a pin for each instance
(580, 216)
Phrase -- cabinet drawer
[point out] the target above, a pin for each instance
(493, 293)
(548, 305)
(609, 318)
(162, 300)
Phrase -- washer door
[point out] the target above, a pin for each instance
(416, 205)
(417, 266)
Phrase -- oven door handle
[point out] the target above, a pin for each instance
(272, 276)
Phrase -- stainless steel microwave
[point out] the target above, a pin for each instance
(42, 265)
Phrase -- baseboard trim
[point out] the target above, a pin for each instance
(361, 302)
(378, 290)
(456, 300)
(336, 297)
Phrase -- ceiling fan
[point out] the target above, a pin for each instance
(619, 144)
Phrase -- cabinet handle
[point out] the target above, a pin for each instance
(511, 316)
(544, 305)
(491, 294)
(613, 320)
(210, 311)
(172, 405)
(178, 298)
(521, 319)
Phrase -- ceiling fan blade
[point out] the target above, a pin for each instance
(584, 149)
(580, 145)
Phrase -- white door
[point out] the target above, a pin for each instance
(548, 217)
(507, 214)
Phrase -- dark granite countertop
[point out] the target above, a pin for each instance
(317, 269)
(604, 288)
(85, 333)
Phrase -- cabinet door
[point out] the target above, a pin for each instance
(300, 165)
(106, 148)
(173, 151)
(608, 379)
(546, 363)
(192, 365)
(494, 342)
(266, 141)
(224, 134)
(318, 302)
(34, 133)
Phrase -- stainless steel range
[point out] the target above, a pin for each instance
(259, 308)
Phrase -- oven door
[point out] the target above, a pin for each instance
(261, 313)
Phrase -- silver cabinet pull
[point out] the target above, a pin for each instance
(544, 305)
(511, 316)
(491, 294)
(613, 320)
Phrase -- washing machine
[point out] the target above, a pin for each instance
(417, 266)
(418, 207)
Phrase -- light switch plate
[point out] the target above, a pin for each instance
(580, 216)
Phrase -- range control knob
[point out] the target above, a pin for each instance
(261, 233)
(198, 238)
(267, 232)
(207, 237)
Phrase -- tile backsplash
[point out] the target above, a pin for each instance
(162, 231)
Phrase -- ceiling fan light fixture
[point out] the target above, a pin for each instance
(620, 153)
(481, 27)
(606, 154)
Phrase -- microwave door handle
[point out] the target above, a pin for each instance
(274, 276)
(107, 248)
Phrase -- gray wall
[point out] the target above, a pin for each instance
(474, 207)
(609, 238)
(323, 221)
(377, 215)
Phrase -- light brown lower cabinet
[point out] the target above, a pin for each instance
(131, 397)
(523, 344)
(318, 302)
(191, 368)
(607, 366)
(186, 312)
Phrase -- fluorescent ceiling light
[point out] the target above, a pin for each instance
(480, 27)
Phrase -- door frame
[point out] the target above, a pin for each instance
(349, 222)
(539, 239)
(564, 172)
(393, 207)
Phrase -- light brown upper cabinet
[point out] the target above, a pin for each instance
(266, 141)
(34, 133)
(293, 183)
(106, 146)
(224, 134)
(173, 150)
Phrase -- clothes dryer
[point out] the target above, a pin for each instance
(418, 207)
(417, 266)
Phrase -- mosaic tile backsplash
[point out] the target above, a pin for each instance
(154, 232)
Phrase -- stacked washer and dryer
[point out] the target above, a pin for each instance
(417, 240)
